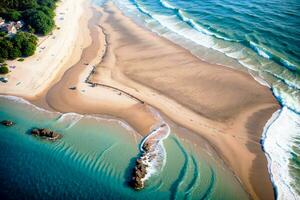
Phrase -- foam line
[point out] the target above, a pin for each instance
(278, 140)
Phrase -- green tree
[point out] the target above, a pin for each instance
(14, 15)
(28, 49)
(38, 16)
(41, 23)
(30, 29)
(48, 11)
(5, 45)
(2, 34)
(18, 4)
(14, 53)
(49, 3)
(25, 42)
(4, 70)
(11, 15)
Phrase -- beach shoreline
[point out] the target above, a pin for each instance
(53, 52)
(108, 54)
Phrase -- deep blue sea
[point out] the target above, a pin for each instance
(260, 37)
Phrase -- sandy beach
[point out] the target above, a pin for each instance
(32, 76)
(120, 69)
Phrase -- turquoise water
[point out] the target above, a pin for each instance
(94, 159)
(259, 37)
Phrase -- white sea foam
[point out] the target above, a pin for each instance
(167, 4)
(155, 159)
(23, 101)
(259, 79)
(70, 118)
(287, 96)
(260, 50)
(278, 139)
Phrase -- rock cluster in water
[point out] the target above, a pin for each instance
(150, 152)
(140, 169)
(7, 123)
(45, 134)
(139, 173)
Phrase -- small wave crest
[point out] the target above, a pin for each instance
(167, 5)
(69, 119)
(25, 102)
(264, 52)
(186, 18)
(260, 50)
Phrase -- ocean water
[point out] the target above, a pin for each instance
(257, 36)
(94, 159)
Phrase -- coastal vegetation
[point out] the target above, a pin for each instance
(37, 14)
(24, 18)
(4, 70)
(22, 44)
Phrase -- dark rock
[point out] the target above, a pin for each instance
(72, 88)
(35, 131)
(45, 133)
(7, 123)
(146, 147)
(139, 161)
(139, 172)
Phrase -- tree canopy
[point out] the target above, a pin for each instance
(38, 16)
(22, 44)
(40, 22)
(18, 4)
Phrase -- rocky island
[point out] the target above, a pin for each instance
(151, 147)
(140, 169)
(138, 174)
(45, 133)
(7, 123)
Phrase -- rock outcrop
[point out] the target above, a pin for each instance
(151, 153)
(138, 174)
(45, 134)
(7, 123)
(140, 169)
